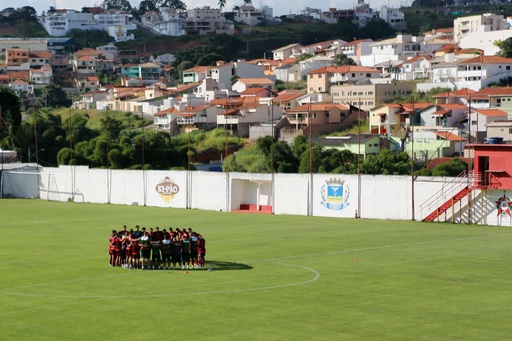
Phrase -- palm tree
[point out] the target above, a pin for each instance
(222, 4)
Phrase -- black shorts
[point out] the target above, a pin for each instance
(176, 258)
(166, 257)
(156, 256)
(145, 253)
(193, 254)
(185, 256)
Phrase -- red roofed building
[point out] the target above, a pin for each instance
(321, 80)
(317, 118)
(480, 119)
(499, 97)
(393, 118)
(454, 97)
(442, 115)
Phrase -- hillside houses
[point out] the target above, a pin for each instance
(241, 94)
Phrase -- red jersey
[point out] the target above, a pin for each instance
(117, 243)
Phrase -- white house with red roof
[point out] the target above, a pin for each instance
(284, 52)
(392, 118)
(473, 73)
(242, 84)
(321, 79)
(317, 118)
(196, 74)
(393, 49)
(492, 97)
(461, 96)
(42, 76)
(239, 114)
(22, 87)
(480, 118)
(413, 68)
(357, 49)
(442, 115)
(501, 129)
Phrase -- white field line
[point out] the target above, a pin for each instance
(271, 260)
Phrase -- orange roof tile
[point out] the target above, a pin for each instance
(449, 136)
(319, 107)
(342, 69)
(492, 112)
(458, 93)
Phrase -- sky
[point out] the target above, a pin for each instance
(280, 7)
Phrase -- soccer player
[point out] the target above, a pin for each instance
(201, 249)
(179, 233)
(135, 252)
(118, 242)
(156, 255)
(194, 250)
(159, 235)
(137, 233)
(185, 251)
(112, 248)
(176, 253)
(145, 250)
(166, 252)
(127, 242)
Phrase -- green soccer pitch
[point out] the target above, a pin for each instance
(273, 278)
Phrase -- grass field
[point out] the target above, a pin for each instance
(273, 278)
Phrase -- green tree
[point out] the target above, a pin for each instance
(10, 107)
(116, 4)
(250, 159)
(387, 162)
(505, 47)
(343, 59)
(312, 164)
(299, 146)
(146, 6)
(303, 56)
(209, 59)
(222, 4)
(52, 96)
(452, 168)
(345, 29)
(377, 29)
(284, 160)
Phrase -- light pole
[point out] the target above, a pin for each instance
(310, 159)
(1, 137)
(143, 160)
(358, 213)
(227, 161)
(71, 155)
(34, 153)
(412, 161)
(107, 159)
(189, 179)
(272, 154)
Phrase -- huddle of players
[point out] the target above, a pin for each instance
(155, 249)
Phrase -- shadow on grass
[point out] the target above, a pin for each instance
(218, 265)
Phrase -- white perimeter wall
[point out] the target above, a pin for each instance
(332, 195)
